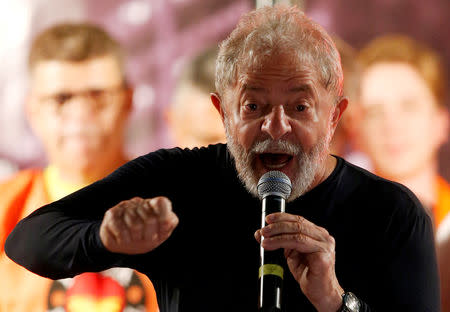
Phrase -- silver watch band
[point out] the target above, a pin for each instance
(350, 303)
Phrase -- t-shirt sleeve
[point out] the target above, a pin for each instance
(62, 239)
(388, 259)
(408, 262)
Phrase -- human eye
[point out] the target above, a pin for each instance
(300, 107)
(251, 107)
(96, 93)
(62, 98)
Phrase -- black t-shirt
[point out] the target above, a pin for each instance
(384, 241)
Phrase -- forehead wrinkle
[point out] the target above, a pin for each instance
(300, 81)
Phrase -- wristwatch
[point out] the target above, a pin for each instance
(350, 303)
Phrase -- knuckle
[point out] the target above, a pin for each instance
(123, 204)
(108, 215)
(298, 227)
(156, 201)
(324, 231)
(113, 215)
(163, 202)
(331, 241)
(301, 221)
(269, 228)
(300, 238)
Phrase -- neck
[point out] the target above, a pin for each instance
(328, 166)
(91, 172)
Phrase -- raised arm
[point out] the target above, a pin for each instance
(90, 230)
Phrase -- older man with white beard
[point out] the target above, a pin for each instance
(189, 218)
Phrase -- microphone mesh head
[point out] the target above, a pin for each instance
(274, 183)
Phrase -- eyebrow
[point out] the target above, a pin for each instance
(247, 87)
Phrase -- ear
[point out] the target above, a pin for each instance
(216, 100)
(338, 110)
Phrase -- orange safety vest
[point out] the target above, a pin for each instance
(23, 291)
(442, 207)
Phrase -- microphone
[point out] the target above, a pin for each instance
(274, 188)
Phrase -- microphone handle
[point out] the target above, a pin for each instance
(271, 271)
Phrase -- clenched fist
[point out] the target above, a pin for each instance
(137, 226)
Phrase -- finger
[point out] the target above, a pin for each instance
(162, 207)
(136, 200)
(139, 203)
(119, 229)
(131, 218)
(160, 220)
(134, 223)
(284, 227)
(296, 262)
(279, 223)
(145, 212)
(167, 226)
(299, 242)
(258, 236)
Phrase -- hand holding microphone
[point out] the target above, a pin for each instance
(138, 225)
(274, 188)
(309, 251)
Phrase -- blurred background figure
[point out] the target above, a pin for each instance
(404, 120)
(191, 117)
(344, 142)
(78, 104)
(156, 36)
(404, 123)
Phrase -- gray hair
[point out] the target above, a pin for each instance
(280, 29)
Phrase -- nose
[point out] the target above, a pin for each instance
(276, 123)
(392, 122)
(80, 108)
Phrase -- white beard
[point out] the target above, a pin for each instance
(308, 163)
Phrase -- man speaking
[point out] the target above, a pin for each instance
(189, 218)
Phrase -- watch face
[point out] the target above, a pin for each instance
(351, 302)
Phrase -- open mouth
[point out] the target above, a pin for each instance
(274, 160)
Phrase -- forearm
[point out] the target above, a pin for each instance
(56, 246)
